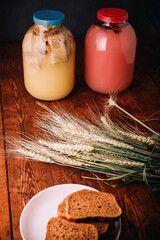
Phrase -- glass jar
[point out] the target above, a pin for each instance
(49, 57)
(110, 49)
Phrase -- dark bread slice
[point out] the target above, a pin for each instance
(60, 228)
(90, 205)
(61, 212)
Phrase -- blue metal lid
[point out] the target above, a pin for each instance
(48, 17)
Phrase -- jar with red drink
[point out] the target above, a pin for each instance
(110, 49)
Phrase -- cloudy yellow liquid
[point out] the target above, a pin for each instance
(46, 80)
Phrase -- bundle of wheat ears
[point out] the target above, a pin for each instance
(103, 147)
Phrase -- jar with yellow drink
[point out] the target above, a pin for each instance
(49, 57)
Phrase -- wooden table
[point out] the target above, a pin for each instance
(21, 179)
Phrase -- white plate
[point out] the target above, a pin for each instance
(43, 206)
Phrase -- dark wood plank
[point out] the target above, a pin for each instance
(5, 220)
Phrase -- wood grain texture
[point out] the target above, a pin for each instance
(5, 221)
(21, 179)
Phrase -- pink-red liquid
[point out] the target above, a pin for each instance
(109, 58)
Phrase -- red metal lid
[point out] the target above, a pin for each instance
(112, 15)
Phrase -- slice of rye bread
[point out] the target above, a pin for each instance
(60, 228)
(89, 205)
(61, 212)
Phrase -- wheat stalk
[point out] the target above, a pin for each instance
(103, 147)
(122, 134)
(113, 103)
(65, 146)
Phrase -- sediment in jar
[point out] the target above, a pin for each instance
(115, 27)
(42, 40)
